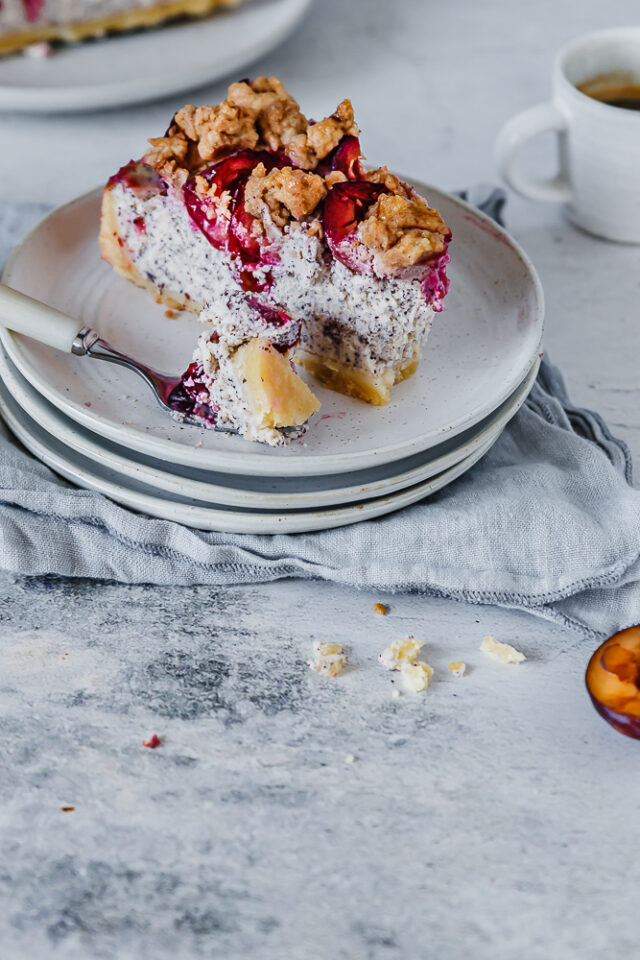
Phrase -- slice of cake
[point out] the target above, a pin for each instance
(270, 227)
(27, 22)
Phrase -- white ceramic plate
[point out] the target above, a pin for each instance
(139, 496)
(480, 349)
(282, 493)
(150, 64)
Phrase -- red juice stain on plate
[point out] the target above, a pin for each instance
(333, 416)
(485, 229)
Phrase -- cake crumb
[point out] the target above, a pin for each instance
(399, 652)
(350, 758)
(316, 229)
(329, 659)
(169, 314)
(402, 655)
(416, 676)
(380, 609)
(38, 51)
(457, 668)
(67, 809)
(153, 742)
(395, 694)
(501, 651)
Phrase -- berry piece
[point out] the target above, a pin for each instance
(344, 208)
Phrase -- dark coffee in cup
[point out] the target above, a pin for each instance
(598, 177)
(615, 89)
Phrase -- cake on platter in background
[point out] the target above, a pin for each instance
(270, 227)
(24, 23)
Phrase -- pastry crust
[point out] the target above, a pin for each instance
(113, 23)
(114, 251)
(362, 384)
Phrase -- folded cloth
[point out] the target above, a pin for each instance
(547, 522)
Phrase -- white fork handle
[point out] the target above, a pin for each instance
(36, 320)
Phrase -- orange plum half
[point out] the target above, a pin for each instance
(613, 681)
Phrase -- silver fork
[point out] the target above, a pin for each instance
(25, 315)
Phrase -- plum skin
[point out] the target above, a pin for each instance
(613, 681)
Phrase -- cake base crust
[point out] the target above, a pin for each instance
(115, 253)
(362, 384)
(114, 23)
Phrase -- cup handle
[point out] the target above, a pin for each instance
(515, 134)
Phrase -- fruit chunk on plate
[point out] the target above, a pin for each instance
(24, 23)
(613, 681)
(273, 392)
(270, 227)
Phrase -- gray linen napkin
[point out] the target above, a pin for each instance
(547, 522)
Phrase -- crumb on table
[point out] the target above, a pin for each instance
(503, 652)
(399, 652)
(402, 655)
(416, 676)
(329, 659)
(380, 609)
(457, 668)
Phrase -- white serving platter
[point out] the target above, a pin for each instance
(160, 62)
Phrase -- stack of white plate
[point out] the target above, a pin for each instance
(100, 427)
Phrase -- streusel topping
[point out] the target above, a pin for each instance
(402, 232)
(389, 180)
(399, 230)
(282, 194)
(260, 115)
(308, 148)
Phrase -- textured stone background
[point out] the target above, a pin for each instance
(488, 817)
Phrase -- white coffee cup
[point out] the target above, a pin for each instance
(599, 144)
